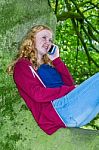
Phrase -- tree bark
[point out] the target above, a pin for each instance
(18, 16)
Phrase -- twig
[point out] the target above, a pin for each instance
(49, 3)
(56, 6)
(88, 9)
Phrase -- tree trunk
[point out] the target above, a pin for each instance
(16, 17)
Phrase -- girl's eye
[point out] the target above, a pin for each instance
(44, 37)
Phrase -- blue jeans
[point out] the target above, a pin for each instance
(81, 105)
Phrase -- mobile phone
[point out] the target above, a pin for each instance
(52, 50)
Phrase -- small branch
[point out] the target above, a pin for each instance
(56, 6)
(77, 43)
(49, 3)
(94, 5)
(68, 5)
(92, 35)
(92, 16)
(81, 39)
(81, 5)
(88, 9)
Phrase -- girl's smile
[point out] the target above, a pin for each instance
(43, 42)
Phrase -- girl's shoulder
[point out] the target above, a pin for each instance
(23, 61)
(22, 64)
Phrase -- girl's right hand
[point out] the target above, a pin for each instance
(55, 55)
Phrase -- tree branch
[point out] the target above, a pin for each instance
(92, 35)
(88, 9)
(95, 5)
(84, 44)
(68, 5)
(81, 5)
(66, 15)
(84, 17)
(49, 3)
(90, 40)
(56, 6)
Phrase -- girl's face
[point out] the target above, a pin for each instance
(43, 42)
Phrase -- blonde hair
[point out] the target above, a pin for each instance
(27, 48)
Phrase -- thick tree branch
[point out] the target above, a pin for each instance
(66, 15)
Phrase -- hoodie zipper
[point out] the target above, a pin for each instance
(35, 74)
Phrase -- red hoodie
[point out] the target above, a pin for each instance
(37, 97)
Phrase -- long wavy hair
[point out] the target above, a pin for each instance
(27, 49)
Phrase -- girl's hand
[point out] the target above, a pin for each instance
(55, 55)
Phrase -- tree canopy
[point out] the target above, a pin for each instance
(79, 19)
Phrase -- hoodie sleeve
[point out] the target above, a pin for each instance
(31, 86)
(64, 72)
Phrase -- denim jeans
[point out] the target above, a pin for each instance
(81, 105)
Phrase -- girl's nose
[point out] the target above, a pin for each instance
(47, 40)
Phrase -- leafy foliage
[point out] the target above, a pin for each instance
(75, 57)
(82, 17)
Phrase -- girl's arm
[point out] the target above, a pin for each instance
(64, 72)
(61, 67)
(29, 85)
